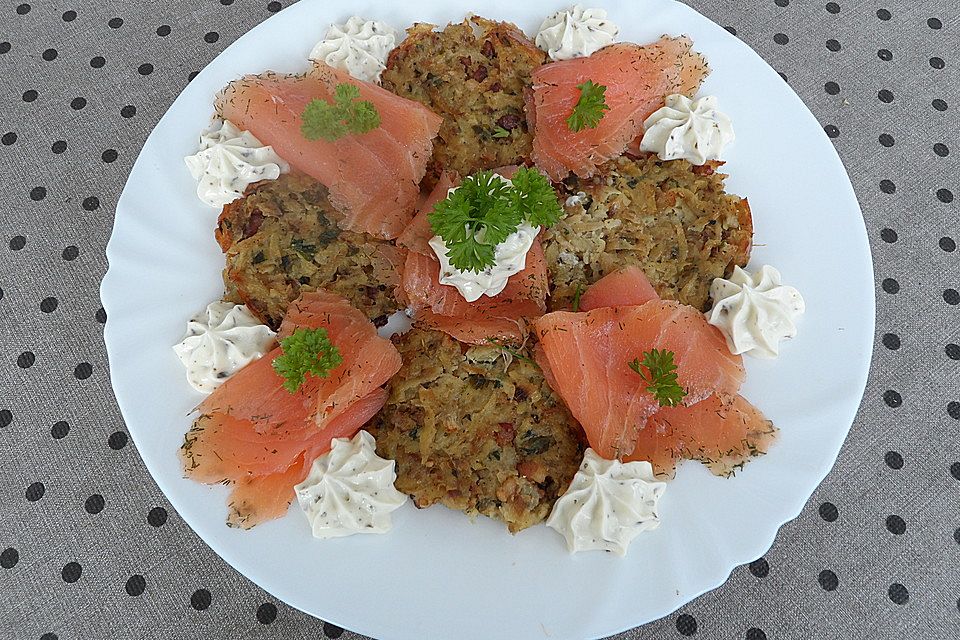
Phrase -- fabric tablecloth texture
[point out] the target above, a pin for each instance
(90, 548)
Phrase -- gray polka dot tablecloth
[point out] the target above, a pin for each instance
(90, 548)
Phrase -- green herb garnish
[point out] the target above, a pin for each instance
(576, 302)
(306, 351)
(485, 209)
(590, 107)
(322, 119)
(661, 376)
(500, 132)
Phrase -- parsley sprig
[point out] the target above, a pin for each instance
(659, 371)
(590, 107)
(306, 351)
(347, 114)
(485, 209)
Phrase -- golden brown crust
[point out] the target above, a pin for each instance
(280, 240)
(671, 218)
(476, 83)
(476, 430)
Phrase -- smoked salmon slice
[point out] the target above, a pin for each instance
(373, 177)
(637, 80)
(628, 286)
(588, 354)
(261, 439)
(721, 433)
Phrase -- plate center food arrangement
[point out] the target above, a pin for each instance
(498, 275)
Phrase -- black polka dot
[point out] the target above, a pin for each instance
(890, 285)
(17, 243)
(937, 63)
(69, 16)
(6, 417)
(828, 580)
(78, 103)
(953, 409)
(892, 398)
(888, 235)
(226, 3)
(266, 613)
(200, 600)
(332, 630)
(832, 88)
(100, 315)
(833, 7)
(26, 359)
(953, 351)
(754, 633)
(97, 62)
(686, 624)
(941, 150)
(886, 140)
(732, 30)
(49, 636)
(59, 430)
(128, 111)
(832, 131)
(23, 9)
(192, 75)
(781, 38)
(30, 95)
(48, 305)
(951, 296)
(108, 156)
(117, 440)
(833, 45)
(891, 341)
(145, 69)
(9, 138)
(83, 371)
(163, 30)
(49, 55)
(4, 47)
(38, 193)
(759, 568)
(883, 14)
(939, 105)
(211, 37)
(898, 593)
(94, 504)
(828, 511)
(945, 196)
(885, 95)
(955, 470)
(70, 252)
(35, 491)
(157, 516)
(9, 558)
(115, 23)
(782, 3)
(782, 75)
(893, 459)
(896, 525)
(59, 147)
(885, 54)
(273, 7)
(71, 572)
(91, 204)
(934, 23)
(135, 585)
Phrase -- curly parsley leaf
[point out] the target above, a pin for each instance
(347, 114)
(500, 132)
(306, 351)
(590, 107)
(535, 198)
(659, 371)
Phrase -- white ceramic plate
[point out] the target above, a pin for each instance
(437, 574)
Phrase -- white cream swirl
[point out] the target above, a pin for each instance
(575, 33)
(755, 312)
(607, 505)
(359, 47)
(687, 129)
(350, 490)
(228, 161)
(220, 341)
